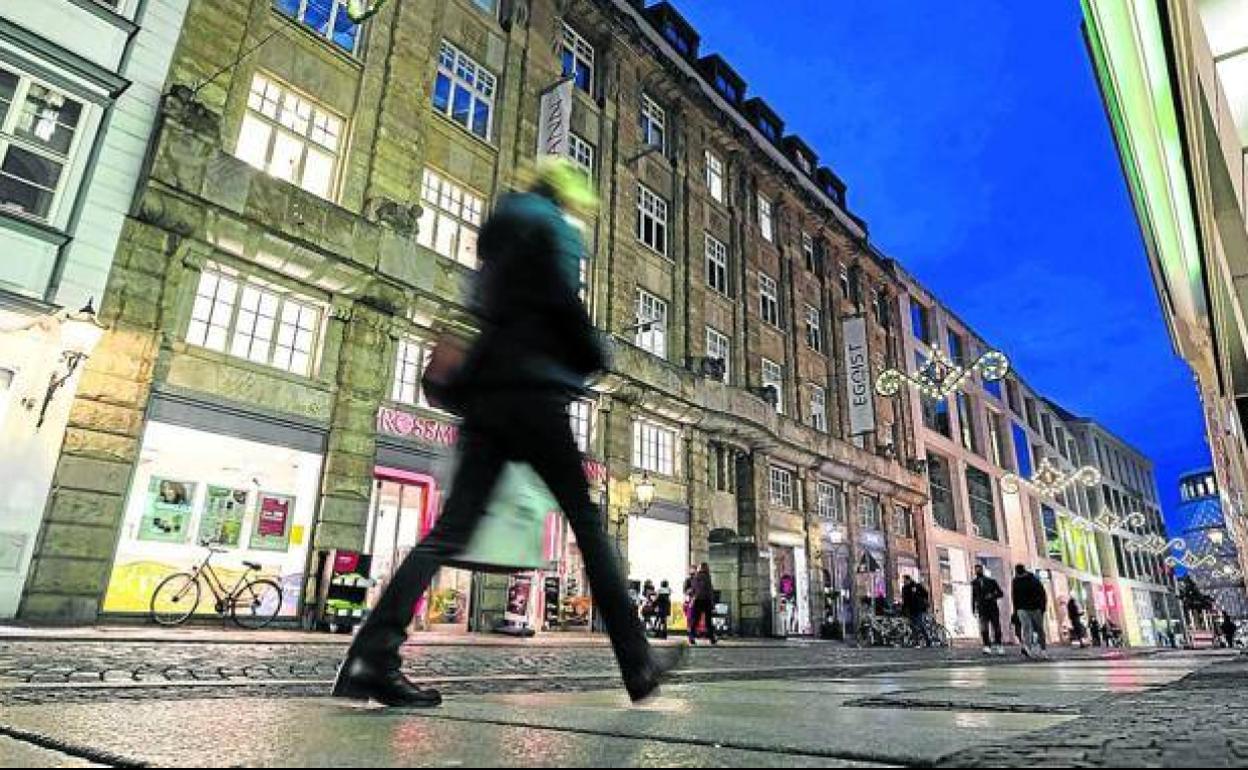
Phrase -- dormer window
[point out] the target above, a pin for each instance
(769, 129)
(804, 162)
(728, 90)
(677, 40)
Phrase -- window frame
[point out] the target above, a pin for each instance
(781, 487)
(772, 374)
(814, 328)
(818, 416)
(646, 338)
(338, 14)
(652, 115)
(582, 54)
(724, 344)
(768, 299)
(480, 74)
(581, 153)
(714, 175)
(717, 266)
(830, 502)
(652, 207)
(654, 448)
(256, 114)
(433, 214)
(766, 221)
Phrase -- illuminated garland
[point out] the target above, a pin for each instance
(1049, 480)
(940, 376)
(1107, 521)
(1191, 561)
(362, 10)
(1155, 544)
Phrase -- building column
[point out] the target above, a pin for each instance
(754, 588)
(697, 477)
(814, 547)
(347, 485)
(78, 535)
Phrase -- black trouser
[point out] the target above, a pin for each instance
(534, 429)
(702, 608)
(660, 621)
(990, 619)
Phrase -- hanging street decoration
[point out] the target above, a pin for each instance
(941, 376)
(1108, 521)
(360, 11)
(1155, 544)
(1049, 480)
(1191, 561)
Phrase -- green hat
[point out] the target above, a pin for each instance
(568, 182)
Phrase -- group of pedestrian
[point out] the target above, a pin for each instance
(656, 607)
(655, 604)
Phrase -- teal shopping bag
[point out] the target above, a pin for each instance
(510, 537)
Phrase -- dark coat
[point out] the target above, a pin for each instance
(985, 593)
(701, 587)
(536, 334)
(914, 599)
(1028, 592)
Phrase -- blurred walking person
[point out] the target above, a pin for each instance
(1030, 599)
(915, 603)
(536, 350)
(985, 594)
(1228, 629)
(662, 609)
(703, 593)
(1077, 631)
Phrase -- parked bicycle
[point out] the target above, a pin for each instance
(930, 634)
(252, 603)
(884, 631)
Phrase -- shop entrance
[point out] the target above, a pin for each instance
(405, 507)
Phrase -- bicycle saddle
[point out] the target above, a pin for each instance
(251, 565)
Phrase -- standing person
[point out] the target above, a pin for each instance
(1095, 629)
(648, 596)
(1077, 631)
(1030, 599)
(915, 604)
(536, 350)
(1228, 630)
(703, 604)
(662, 609)
(985, 593)
(1017, 625)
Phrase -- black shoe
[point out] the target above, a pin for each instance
(360, 680)
(645, 684)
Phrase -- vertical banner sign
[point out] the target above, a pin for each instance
(858, 377)
(555, 120)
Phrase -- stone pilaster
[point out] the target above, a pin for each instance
(348, 476)
(814, 545)
(699, 497)
(86, 506)
(754, 594)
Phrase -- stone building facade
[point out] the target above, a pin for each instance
(306, 230)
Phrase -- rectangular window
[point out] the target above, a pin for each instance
(723, 468)
(869, 516)
(1011, 397)
(919, 322)
(904, 522)
(651, 220)
(39, 135)
(808, 252)
(581, 418)
(653, 124)
(256, 321)
(450, 218)
(844, 278)
(773, 376)
(831, 503)
(1022, 455)
(413, 356)
(769, 299)
(814, 329)
(715, 176)
(764, 218)
(781, 487)
(818, 408)
(983, 508)
(464, 91)
(327, 18)
(581, 153)
(957, 351)
(654, 448)
(1032, 420)
(993, 387)
(288, 136)
(1048, 430)
(717, 346)
(996, 441)
(577, 56)
(651, 324)
(940, 485)
(716, 265)
(966, 422)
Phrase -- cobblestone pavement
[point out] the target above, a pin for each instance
(1200, 721)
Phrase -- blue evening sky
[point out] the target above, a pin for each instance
(974, 142)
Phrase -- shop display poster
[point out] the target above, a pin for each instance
(167, 511)
(272, 531)
(222, 520)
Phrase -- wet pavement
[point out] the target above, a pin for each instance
(752, 705)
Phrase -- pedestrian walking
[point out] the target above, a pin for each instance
(1228, 630)
(1030, 599)
(915, 603)
(1077, 631)
(1095, 629)
(703, 604)
(985, 595)
(1017, 626)
(536, 350)
(662, 609)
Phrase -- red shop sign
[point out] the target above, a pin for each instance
(424, 429)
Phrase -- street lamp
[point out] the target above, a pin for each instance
(645, 493)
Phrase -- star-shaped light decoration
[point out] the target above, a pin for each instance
(1228, 572)
(1049, 480)
(1155, 544)
(941, 376)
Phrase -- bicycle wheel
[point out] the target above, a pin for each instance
(865, 634)
(175, 599)
(256, 604)
(939, 635)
